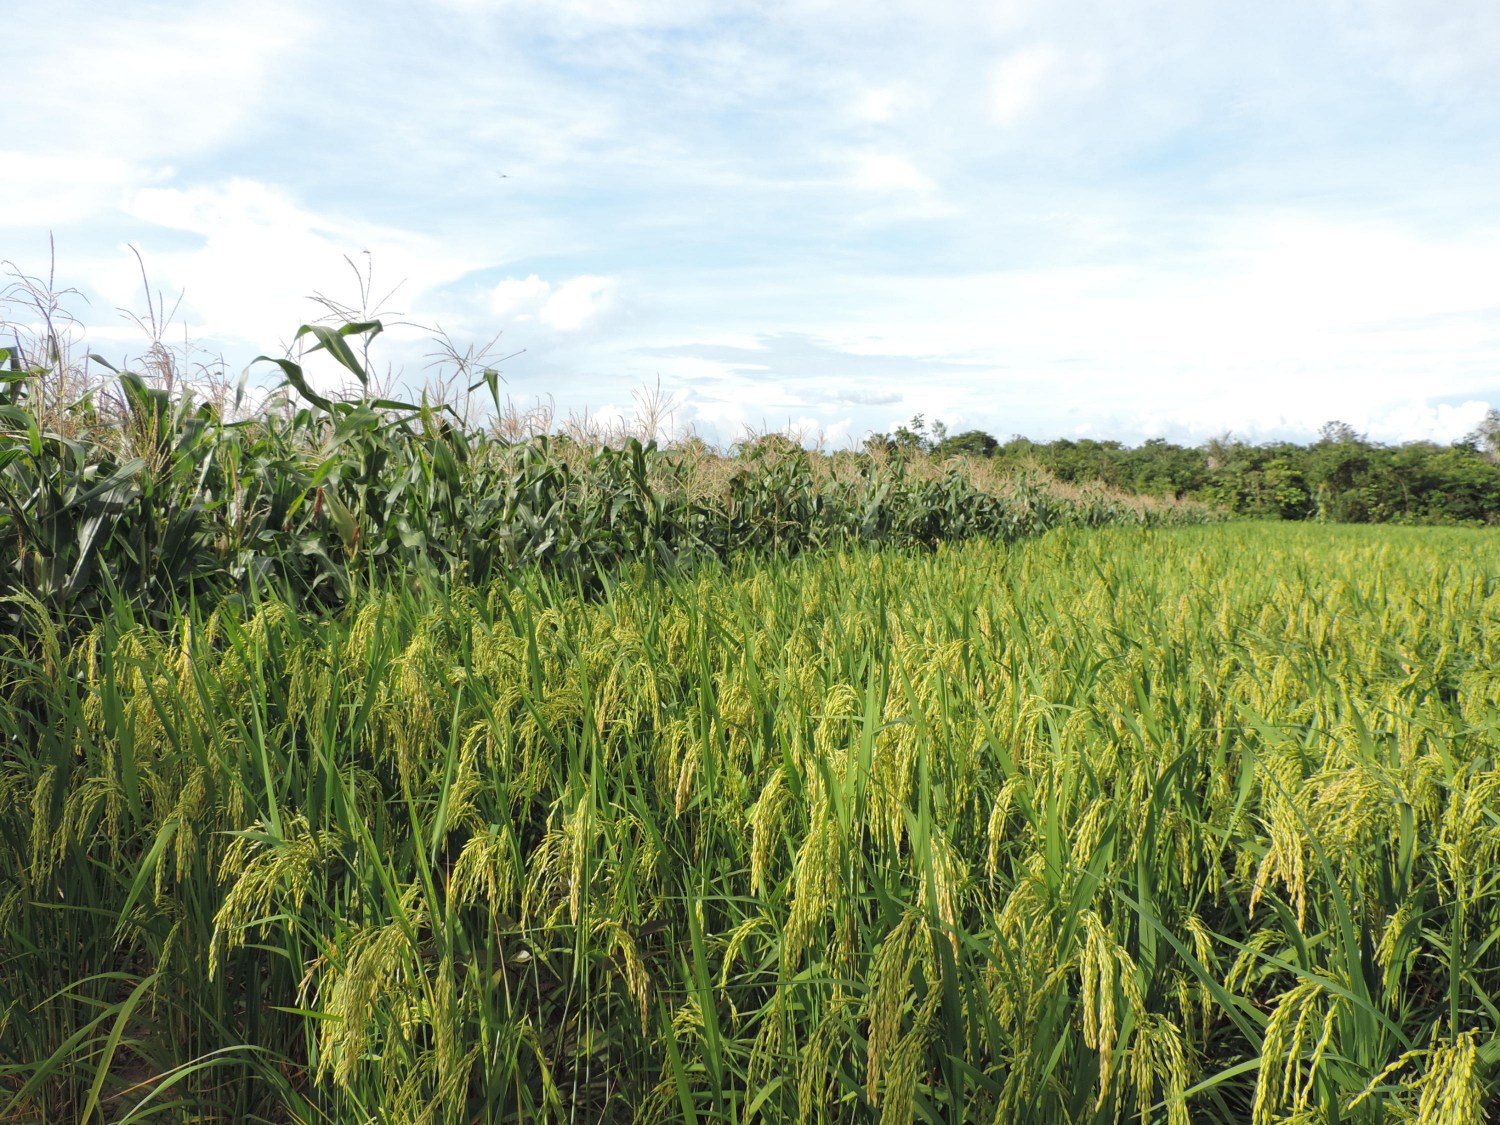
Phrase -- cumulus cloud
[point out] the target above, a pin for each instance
(577, 301)
(565, 307)
(246, 257)
(44, 189)
(1162, 216)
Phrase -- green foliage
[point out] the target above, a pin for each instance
(164, 498)
(358, 765)
(1486, 436)
(970, 443)
(1343, 477)
(1126, 825)
(912, 439)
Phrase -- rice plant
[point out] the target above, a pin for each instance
(1133, 824)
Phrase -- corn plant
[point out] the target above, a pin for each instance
(140, 488)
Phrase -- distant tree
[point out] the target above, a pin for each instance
(1346, 466)
(1338, 433)
(1486, 436)
(970, 443)
(913, 437)
(1340, 477)
(1159, 468)
(1218, 450)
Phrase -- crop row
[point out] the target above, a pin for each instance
(169, 499)
(1119, 825)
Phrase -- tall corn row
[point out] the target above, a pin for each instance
(139, 489)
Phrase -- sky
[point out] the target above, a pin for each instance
(1058, 218)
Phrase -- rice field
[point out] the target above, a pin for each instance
(1123, 825)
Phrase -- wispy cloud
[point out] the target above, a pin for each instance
(1020, 82)
(1150, 217)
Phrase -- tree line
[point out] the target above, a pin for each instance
(1342, 477)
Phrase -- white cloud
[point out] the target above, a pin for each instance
(577, 301)
(1019, 82)
(57, 189)
(1417, 420)
(566, 307)
(817, 431)
(898, 189)
(1183, 219)
(575, 16)
(520, 298)
(885, 171)
(881, 104)
(868, 398)
(255, 257)
(1331, 274)
(1285, 323)
(142, 85)
(1438, 49)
